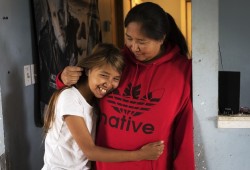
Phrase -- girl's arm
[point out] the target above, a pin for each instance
(84, 140)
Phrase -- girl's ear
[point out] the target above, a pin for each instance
(86, 71)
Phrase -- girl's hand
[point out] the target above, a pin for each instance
(152, 151)
(71, 75)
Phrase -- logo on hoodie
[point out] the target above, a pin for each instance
(128, 105)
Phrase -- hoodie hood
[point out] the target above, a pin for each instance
(148, 68)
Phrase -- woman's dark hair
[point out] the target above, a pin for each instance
(155, 23)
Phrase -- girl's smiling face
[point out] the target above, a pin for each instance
(102, 80)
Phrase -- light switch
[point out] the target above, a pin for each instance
(27, 75)
(33, 73)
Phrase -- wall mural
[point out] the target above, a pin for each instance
(66, 31)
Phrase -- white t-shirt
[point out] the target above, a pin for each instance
(61, 150)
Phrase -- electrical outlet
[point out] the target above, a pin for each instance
(27, 75)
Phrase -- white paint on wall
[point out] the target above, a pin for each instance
(2, 150)
(215, 148)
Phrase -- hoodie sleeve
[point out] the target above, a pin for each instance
(183, 140)
(59, 83)
(183, 136)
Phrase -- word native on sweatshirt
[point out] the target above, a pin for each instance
(153, 102)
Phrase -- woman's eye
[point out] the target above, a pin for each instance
(129, 39)
(117, 79)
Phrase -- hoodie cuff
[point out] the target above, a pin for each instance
(59, 83)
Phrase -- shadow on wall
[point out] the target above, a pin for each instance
(2, 161)
(200, 159)
(16, 144)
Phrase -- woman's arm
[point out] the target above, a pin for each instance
(69, 76)
(83, 138)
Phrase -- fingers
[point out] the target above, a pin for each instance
(158, 143)
(71, 80)
(73, 69)
(160, 149)
(154, 150)
(71, 75)
(159, 146)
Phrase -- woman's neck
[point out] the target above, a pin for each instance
(159, 55)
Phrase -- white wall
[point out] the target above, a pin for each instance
(216, 149)
(2, 146)
(23, 140)
(234, 42)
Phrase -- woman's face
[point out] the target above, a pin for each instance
(144, 48)
(103, 79)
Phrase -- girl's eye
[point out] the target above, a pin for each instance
(103, 75)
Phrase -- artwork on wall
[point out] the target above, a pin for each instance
(66, 30)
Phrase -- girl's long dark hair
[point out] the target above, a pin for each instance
(156, 23)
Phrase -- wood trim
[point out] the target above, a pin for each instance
(118, 24)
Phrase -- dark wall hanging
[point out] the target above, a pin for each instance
(66, 30)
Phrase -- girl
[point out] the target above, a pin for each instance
(70, 120)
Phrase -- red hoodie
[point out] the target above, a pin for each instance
(153, 102)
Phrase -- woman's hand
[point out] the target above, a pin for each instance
(71, 75)
(152, 151)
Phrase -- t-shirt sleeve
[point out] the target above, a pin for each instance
(69, 104)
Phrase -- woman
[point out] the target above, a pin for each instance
(153, 100)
